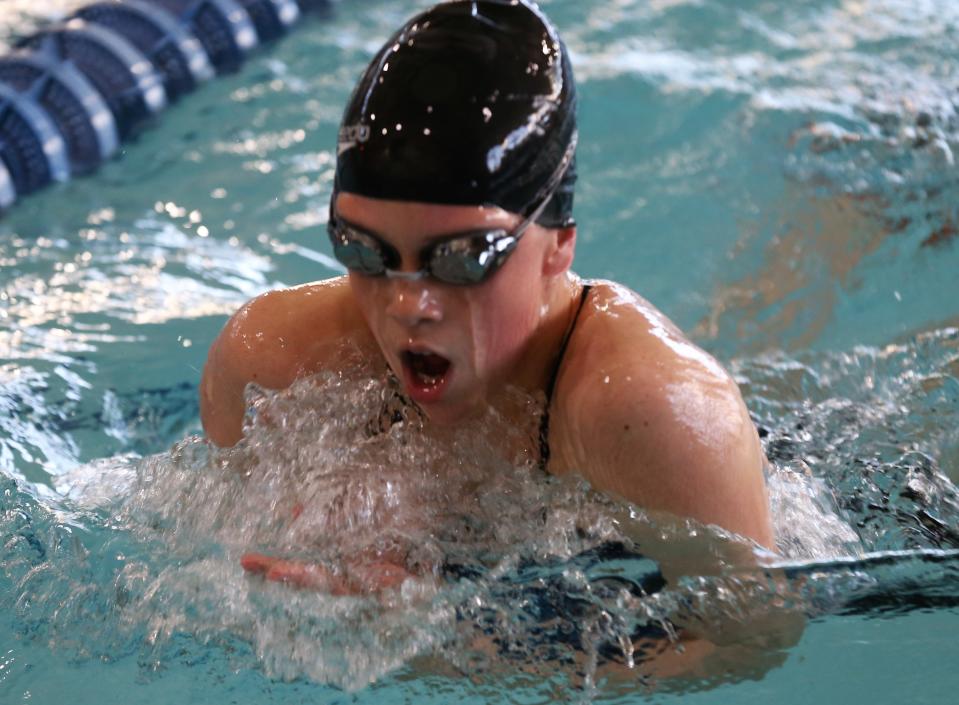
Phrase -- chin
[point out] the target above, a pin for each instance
(449, 412)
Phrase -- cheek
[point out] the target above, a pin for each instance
(503, 315)
(368, 295)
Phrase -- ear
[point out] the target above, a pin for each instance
(562, 247)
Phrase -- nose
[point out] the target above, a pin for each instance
(413, 302)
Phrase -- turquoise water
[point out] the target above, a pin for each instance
(776, 177)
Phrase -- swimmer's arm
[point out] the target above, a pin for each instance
(273, 340)
(698, 459)
(682, 444)
(225, 376)
(249, 349)
(362, 575)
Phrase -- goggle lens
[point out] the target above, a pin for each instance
(356, 250)
(462, 260)
(465, 260)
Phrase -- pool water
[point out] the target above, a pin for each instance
(776, 177)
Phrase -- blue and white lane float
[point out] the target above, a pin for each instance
(32, 149)
(72, 92)
(175, 52)
(121, 73)
(76, 107)
(223, 27)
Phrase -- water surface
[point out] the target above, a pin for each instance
(775, 177)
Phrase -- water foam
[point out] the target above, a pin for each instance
(508, 570)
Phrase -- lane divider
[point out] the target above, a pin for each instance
(76, 107)
(72, 92)
(175, 52)
(32, 151)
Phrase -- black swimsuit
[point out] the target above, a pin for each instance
(569, 610)
(551, 386)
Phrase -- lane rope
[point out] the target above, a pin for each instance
(73, 91)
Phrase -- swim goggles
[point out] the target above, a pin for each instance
(461, 259)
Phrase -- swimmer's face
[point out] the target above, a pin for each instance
(452, 347)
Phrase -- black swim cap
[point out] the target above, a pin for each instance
(469, 103)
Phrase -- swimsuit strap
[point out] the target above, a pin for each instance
(544, 419)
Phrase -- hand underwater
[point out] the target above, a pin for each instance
(357, 577)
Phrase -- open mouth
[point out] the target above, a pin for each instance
(426, 374)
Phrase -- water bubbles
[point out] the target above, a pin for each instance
(453, 546)
(866, 455)
(339, 476)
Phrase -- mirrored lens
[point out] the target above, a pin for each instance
(356, 251)
(457, 269)
(359, 257)
(465, 260)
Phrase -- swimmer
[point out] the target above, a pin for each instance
(452, 214)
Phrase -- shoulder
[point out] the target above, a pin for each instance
(620, 335)
(281, 332)
(646, 414)
(629, 361)
(273, 340)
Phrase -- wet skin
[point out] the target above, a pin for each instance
(638, 410)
